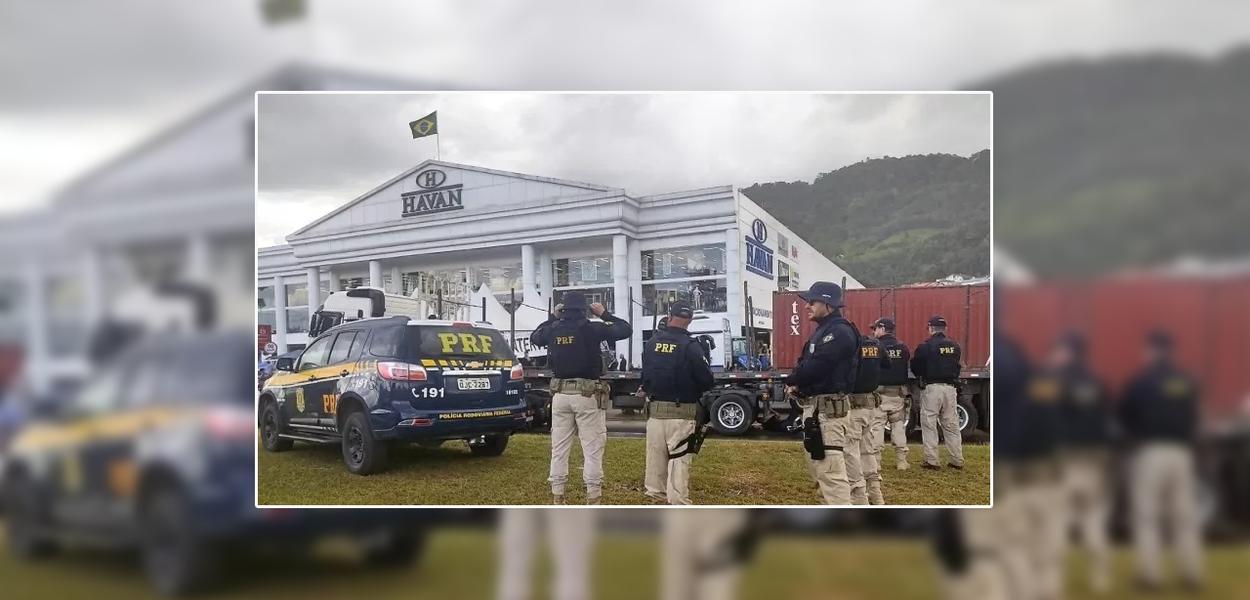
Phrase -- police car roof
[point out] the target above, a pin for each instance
(441, 323)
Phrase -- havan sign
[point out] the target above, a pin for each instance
(433, 197)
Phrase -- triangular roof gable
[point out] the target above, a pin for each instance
(389, 193)
(214, 135)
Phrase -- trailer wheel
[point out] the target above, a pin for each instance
(731, 414)
(968, 418)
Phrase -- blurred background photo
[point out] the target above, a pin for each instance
(1119, 151)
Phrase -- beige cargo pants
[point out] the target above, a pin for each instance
(1086, 477)
(863, 455)
(893, 410)
(1163, 490)
(830, 472)
(692, 538)
(1015, 548)
(570, 534)
(577, 415)
(664, 479)
(937, 406)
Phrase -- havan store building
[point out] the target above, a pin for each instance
(466, 234)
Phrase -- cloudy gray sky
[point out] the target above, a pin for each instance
(317, 152)
(85, 79)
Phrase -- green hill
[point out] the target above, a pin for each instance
(1121, 162)
(892, 220)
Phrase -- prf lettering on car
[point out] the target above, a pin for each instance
(564, 340)
(464, 343)
(868, 352)
(665, 348)
(946, 350)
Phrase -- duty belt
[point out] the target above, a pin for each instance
(662, 409)
(571, 386)
(831, 405)
(868, 400)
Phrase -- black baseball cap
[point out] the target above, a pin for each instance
(887, 323)
(573, 301)
(937, 321)
(681, 308)
(824, 291)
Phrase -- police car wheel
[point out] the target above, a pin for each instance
(24, 516)
(175, 559)
(271, 429)
(362, 454)
(488, 445)
(731, 415)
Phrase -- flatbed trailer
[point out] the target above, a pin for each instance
(742, 398)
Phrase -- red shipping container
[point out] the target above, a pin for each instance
(965, 308)
(1209, 320)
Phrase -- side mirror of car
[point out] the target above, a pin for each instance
(286, 363)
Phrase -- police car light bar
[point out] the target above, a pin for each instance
(399, 371)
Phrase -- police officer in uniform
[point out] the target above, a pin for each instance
(822, 381)
(579, 402)
(674, 376)
(1085, 458)
(863, 454)
(1159, 414)
(895, 395)
(936, 363)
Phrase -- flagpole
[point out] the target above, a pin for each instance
(438, 148)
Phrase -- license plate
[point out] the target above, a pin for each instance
(473, 383)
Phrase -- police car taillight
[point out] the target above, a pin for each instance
(462, 324)
(518, 372)
(399, 371)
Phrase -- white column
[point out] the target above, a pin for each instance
(199, 261)
(529, 289)
(314, 289)
(334, 281)
(545, 279)
(36, 329)
(620, 284)
(635, 311)
(93, 279)
(279, 313)
(733, 282)
(397, 283)
(375, 274)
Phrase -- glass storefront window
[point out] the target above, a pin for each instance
(351, 283)
(584, 270)
(297, 320)
(267, 317)
(498, 279)
(264, 297)
(687, 261)
(708, 295)
(297, 294)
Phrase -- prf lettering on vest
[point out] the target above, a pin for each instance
(946, 350)
(868, 352)
(564, 340)
(895, 353)
(464, 343)
(665, 348)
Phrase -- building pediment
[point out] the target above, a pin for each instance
(436, 189)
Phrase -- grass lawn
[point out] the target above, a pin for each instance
(726, 471)
(462, 564)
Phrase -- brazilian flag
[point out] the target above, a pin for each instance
(427, 125)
